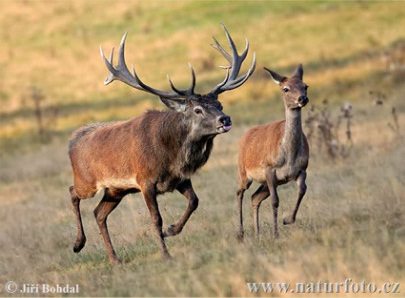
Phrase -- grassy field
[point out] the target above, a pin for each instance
(351, 224)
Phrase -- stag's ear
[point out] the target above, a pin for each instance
(174, 104)
(278, 79)
(299, 72)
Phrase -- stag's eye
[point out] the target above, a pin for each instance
(198, 110)
(285, 89)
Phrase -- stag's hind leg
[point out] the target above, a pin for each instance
(107, 204)
(260, 195)
(81, 237)
(186, 189)
(302, 188)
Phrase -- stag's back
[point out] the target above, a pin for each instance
(115, 154)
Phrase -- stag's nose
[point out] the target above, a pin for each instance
(226, 123)
(225, 120)
(303, 100)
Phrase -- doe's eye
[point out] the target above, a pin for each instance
(285, 89)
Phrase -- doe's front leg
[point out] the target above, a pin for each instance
(302, 188)
(272, 188)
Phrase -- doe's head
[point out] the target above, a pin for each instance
(294, 89)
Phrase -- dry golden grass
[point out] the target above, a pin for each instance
(350, 226)
(351, 223)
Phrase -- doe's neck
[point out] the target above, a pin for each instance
(293, 127)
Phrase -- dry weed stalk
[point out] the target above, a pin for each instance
(324, 131)
(395, 125)
(43, 120)
(378, 99)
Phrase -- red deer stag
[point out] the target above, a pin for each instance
(153, 153)
(275, 153)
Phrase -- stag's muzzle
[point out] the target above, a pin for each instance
(225, 124)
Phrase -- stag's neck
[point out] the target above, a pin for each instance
(292, 138)
(194, 154)
(189, 152)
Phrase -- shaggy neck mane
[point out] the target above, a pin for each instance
(189, 153)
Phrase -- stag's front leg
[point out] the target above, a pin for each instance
(186, 189)
(302, 188)
(149, 195)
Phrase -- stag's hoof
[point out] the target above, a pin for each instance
(171, 231)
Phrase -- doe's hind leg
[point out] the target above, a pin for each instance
(260, 195)
(244, 184)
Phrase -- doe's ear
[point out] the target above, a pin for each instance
(178, 105)
(278, 79)
(299, 72)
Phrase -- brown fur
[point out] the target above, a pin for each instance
(275, 153)
(153, 153)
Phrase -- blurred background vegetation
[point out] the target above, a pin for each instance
(352, 220)
(347, 49)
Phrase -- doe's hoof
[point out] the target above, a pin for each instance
(288, 220)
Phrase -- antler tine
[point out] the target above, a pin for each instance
(122, 74)
(108, 63)
(231, 80)
(224, 53)
(242, 79)
(190, 90)
(237, 60)
(220, 85)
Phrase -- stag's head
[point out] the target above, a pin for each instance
(204, 111)
(294, 89)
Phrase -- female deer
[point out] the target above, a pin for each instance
(275, 153)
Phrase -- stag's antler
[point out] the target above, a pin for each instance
(122, 74)
(232, 80)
